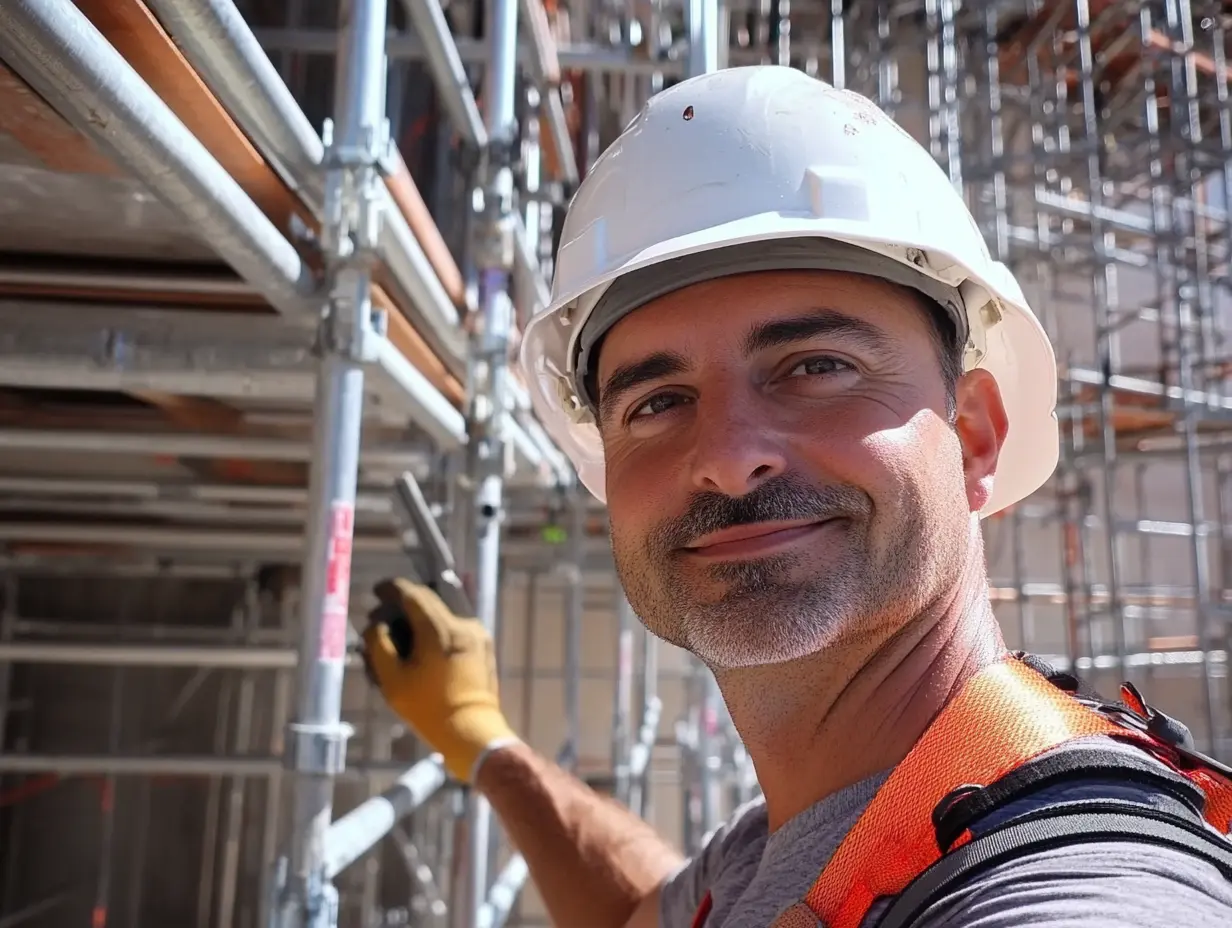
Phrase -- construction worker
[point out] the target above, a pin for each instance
(779, 349)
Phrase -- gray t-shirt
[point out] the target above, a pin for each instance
(752, 875)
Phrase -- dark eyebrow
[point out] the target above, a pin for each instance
(783, 332)
(624, 379)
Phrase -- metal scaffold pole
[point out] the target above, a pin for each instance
(622, 701)
(574, 605)
(494, 244)
(703, 23)
(647, 733)
(356, 145)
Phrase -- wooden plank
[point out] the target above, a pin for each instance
(413, 208)
(44, 133)
(416, 350)
(139, 37)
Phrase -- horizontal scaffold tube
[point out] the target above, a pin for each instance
(111, 654)
(172, 765)
(65, 58)
(52, 45)
(219, 44)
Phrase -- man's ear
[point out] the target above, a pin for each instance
(981, 424)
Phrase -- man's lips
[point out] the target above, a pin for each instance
(757, 538)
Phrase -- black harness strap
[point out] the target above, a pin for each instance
(957, 812)
(1056, 826)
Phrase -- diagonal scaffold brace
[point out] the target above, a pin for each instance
(357, 154)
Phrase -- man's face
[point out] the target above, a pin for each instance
(781, 473)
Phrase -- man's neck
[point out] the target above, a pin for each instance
(817, 725)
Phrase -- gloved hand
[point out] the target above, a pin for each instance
(446, 690)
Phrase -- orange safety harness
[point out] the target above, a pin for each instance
(913, 841)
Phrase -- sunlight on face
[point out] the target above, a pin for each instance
(780, 471)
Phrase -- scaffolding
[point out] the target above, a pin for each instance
(262, 268)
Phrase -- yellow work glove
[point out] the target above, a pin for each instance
(446, 688)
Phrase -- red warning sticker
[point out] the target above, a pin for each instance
(337, 582)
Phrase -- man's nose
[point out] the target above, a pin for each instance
(736, 450)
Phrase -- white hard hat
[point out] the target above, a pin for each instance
(779, 170)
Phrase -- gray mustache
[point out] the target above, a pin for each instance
(779, 499)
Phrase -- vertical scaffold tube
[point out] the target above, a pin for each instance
(703, 22)
(574, 604)
(647, 734)
(622, 701)
(356, 145)
(494, 254)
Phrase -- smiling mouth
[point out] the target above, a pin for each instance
(759, 539)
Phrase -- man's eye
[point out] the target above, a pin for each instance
(659, 403)
(815, 367)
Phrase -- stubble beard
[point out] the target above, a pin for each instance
(772, 609)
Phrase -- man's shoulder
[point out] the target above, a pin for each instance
(748, 826)
(751, 816)
(1099, 883)
(1164, 791)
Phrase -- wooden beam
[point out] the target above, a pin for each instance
(139, 37)
(44, 133)
(416, 350)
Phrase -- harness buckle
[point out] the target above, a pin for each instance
(952, 804)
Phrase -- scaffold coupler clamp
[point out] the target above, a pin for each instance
(495, 228)
(355, 201)
(319, 750)
(495, 241)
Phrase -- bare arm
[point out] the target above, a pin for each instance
(594, 862)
